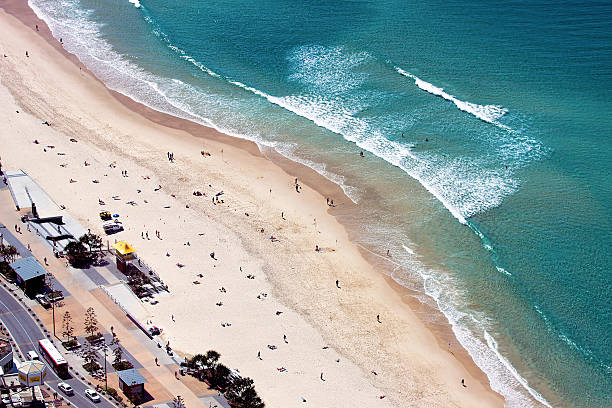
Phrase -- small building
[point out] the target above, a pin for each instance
(131, 382)
(124, 253)
(30, 275)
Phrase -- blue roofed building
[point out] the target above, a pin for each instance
(30, 275)
(131, 382)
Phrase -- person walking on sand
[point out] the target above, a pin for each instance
(259, 355)
(378, 318)
(337, 284)
(463, 382)
(322, 379)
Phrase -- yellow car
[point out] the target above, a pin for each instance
(105, 215)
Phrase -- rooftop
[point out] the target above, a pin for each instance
(28, 268)
(131, 377)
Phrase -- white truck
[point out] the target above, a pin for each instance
(111, 227)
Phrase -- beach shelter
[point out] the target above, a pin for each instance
(124, 253)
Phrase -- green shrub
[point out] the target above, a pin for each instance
(123, 365)
(6, 270)
(69, 344)
(113, 393)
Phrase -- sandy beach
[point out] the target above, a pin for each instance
(331, 330)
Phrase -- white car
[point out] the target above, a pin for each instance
(43, 300)
(92, 395)
(66, 388)
(32, 355)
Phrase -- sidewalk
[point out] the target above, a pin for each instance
(162, 383)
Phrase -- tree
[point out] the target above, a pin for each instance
(178, 402)
(92, 241)
(8, 252)
(91, 322)
(211, 358)
(77, 254)
(67, 328)
(220, 376)
(242, 394)
(117, 351)
(91, 358)
(7, 271)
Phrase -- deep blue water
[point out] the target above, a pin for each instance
(487, 132)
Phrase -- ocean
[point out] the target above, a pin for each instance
(486, 133)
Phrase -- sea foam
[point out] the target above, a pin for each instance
(487, 113)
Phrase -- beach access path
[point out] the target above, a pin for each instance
(162, 384)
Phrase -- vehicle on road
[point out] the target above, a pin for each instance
(66, 388)
(32, 355)
(154, 330)
(43, 300)
(111, 227)
(53, 357)
(92, 395)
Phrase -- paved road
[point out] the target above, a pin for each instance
(26, 333)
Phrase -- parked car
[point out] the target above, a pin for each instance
(32, 355)
(66, 388)
(111, 227)
(105, 215)
(92, 395)
(154, 330)
(43, 300)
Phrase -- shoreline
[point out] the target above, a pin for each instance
(308, 176)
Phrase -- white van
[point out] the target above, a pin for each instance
(32, 355)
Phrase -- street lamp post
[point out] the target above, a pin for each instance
(105, 376)
(51, 287)
(53, 308)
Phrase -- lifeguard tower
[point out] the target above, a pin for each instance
(124, 253)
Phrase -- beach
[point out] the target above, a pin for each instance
(351, 335)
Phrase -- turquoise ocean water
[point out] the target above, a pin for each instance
(486, 128)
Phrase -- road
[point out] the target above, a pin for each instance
(26, 333)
